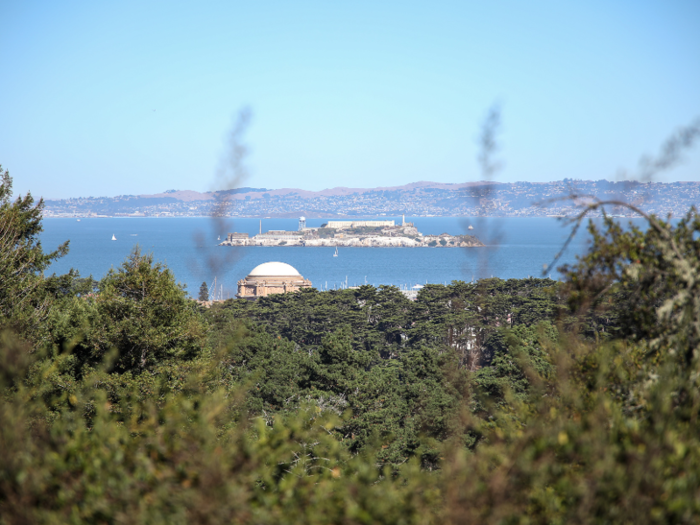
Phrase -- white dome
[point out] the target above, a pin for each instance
(274, 269)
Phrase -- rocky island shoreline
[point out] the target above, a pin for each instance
(361, 234)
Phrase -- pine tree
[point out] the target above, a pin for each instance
(145, 315)
(23, 301)
(204, 292)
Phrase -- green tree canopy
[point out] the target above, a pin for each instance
(145, 315)
(23, 301)
(203, 292)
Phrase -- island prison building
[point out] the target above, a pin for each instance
(342, 225)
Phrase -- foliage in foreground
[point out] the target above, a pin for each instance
(181, 460)
(497, 402)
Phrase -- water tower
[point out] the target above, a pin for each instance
(302, 223)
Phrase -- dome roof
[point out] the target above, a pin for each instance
(274, 269)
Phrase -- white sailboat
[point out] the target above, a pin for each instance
(114, 238)
(470, 227)
(336, 252)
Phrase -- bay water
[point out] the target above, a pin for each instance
(516, 248)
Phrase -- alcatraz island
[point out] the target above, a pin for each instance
(369, 234)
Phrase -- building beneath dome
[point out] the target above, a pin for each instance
(271, 278)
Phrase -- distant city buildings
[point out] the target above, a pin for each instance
(519, 199)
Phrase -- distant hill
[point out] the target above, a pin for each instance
(418, 198)
(189, 195)
(257, 193)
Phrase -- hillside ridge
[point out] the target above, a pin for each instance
(422, 198)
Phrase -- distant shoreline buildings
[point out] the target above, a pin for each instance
(424, 199)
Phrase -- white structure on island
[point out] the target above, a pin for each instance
(270, 278)
(343, 225)
(302, 223)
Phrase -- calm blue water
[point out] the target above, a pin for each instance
(519, 248)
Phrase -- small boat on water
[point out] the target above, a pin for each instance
(336, 252)
(114, 238)
(470, 227)
(78, 220)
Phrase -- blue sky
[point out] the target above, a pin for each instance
(108, 98)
